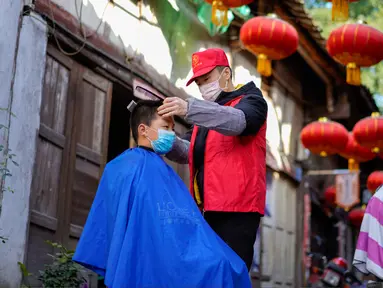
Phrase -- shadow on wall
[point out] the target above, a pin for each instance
(183, 34)
(178, 23)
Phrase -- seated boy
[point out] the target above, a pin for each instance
(144, 229)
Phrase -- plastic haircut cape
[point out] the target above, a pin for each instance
(144, 230)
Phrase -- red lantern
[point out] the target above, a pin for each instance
(340, 9)
(221, 7)
(324, 137)
(330, 196)
(368, 132)
(356, 153)
(270, 39)
(356, 45)
(355, 216)
(374, 181)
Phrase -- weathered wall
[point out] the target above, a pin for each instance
(9, 23)
(26, 102)
(165, 36)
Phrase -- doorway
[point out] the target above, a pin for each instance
(119, 130)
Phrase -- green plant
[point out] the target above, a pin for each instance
(6, 157)
(25, 273)
(62, 273)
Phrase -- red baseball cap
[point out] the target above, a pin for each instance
(205, 61)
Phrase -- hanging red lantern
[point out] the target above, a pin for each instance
(356, 153)
(330, 196)
(368, 132)
(220, 9)
(340, 9)
(374, 181)
(324, 137)
(356, 45)
(270, 39)
(355, 216)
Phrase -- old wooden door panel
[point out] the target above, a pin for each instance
(92, 127)
(50, 164)
(52, 144)
(71, 153)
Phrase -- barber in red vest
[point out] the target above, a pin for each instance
(226, 150)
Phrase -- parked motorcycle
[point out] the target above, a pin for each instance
(336, 275)
(318, 263)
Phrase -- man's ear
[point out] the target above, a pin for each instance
(227, 73)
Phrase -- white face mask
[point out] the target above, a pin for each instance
(211, 91)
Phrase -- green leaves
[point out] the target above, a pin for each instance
(63, 272)
(24, 270)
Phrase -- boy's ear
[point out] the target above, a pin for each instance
(141, 130)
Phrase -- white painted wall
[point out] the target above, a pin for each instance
(9, 23)
(22, 140)
(168, 55)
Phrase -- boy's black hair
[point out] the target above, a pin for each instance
(144, 113)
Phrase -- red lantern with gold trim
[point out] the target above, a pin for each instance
(324, 137)
(374, 181)
(270, 39)
(368, 132)
(330, 196)
(356, 45)
(356, 153)
(355, 216)
(340, 9)
(221, 7)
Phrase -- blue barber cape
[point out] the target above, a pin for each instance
(145, 231)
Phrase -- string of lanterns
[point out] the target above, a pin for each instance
(353, 45)
(325, 137)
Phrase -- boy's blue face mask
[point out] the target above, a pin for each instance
(164, 142)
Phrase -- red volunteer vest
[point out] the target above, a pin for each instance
(235, 170)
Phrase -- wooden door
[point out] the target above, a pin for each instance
(52, 153)
(90, 144)
(70, 156)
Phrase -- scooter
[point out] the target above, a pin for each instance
(318, 263)
(336, 275)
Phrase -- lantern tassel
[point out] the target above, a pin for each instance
(323, 154)
(339, 10)
(264, 65)
(353, 74)
(219, 14)
(353, 165)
